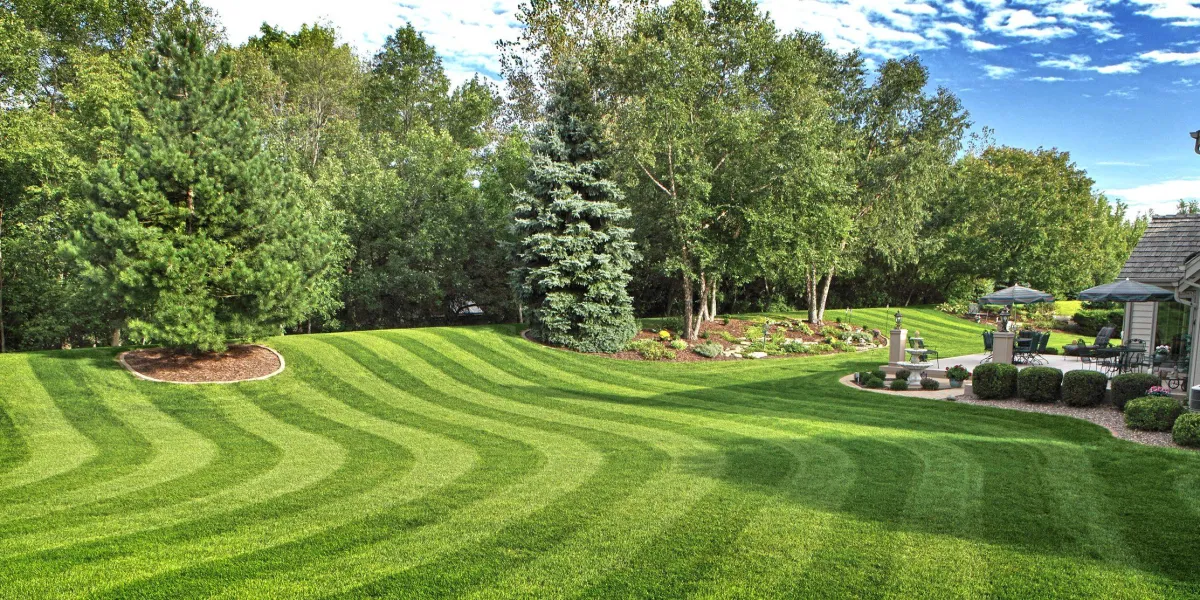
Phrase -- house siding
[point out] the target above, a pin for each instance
(1139, 322)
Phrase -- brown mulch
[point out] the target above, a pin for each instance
(238, 363)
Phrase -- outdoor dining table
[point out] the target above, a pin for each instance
(1123, 356)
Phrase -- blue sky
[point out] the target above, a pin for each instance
(1112, 82)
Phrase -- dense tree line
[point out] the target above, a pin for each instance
(159, 183)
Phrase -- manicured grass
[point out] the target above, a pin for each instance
(467, 462)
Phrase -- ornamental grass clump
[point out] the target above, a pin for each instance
(708, 349)
(1040, 384)
(1152, 413)
(1132, 385)
(1084, 388)
(995, 381)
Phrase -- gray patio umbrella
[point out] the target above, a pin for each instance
(1017, 294)
(1126, 291)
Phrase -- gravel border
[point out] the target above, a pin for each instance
(140, 375)
(1104, 415)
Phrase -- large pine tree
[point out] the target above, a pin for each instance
(573, 254)
(197, 233)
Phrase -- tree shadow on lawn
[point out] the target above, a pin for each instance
(1032, 482)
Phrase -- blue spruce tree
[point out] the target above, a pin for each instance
(572, 252)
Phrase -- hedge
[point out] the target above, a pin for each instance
(1152, 413)
(1040, 384)
(1186, 431)
(1091, 320)
(1084, 388)
(994, 381)
(1132, 385)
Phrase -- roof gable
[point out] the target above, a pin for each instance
(1164, 248)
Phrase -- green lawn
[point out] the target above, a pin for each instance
(466, 462)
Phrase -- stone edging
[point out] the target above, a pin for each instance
(139, 375)
(942, 394)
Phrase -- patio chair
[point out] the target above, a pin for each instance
(1090, 354)
(1041, 349)
(1027, 345)
(988, 338)
(919, 344)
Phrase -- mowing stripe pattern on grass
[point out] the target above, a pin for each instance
(468, 462)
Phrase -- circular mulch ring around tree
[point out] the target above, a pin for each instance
(247, 362)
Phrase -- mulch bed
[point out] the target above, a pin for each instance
(238, 363)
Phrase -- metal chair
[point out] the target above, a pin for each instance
(1027, 343)
(919, 344)
(988, 338)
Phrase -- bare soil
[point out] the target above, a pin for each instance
(238, 363)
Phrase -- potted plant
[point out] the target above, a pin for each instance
(957, 375)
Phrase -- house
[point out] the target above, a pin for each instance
(1168, 256)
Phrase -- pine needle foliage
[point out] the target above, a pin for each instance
(573, 254)
(197, 233)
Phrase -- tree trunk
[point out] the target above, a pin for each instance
(825, 295)
(695, 333)
(115, 342)
(712, 309)
(810, 283)
(687, 306)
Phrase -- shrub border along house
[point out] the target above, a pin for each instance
(1152, 413)
(1186, 431)
(1084, 388)
(1128, 386)
(995, 381)
(1040, 384)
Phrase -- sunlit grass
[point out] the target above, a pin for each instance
(468, 462)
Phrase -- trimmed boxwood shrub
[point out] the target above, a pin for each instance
(874, 383)
(1132, 385)
(1152, 413)
(930, 384)
(1084, 388)
(878, 373)
(1039, 384)
(995, 381)
(1186, 431)
(900, 385)
(903, 374)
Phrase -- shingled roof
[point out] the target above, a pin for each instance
(1164, 248)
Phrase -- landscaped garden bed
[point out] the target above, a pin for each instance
(734, 339)
(247, 362)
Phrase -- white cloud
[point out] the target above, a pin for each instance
(1024, 23)
(1045, 79)
(365, 28)
(1183, 13)
(998, 72)
(885, 28)
(1081, 62)
(1160, 197)
(464, 32)
(1183, 58)
(982, 46)
(1125, 93)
